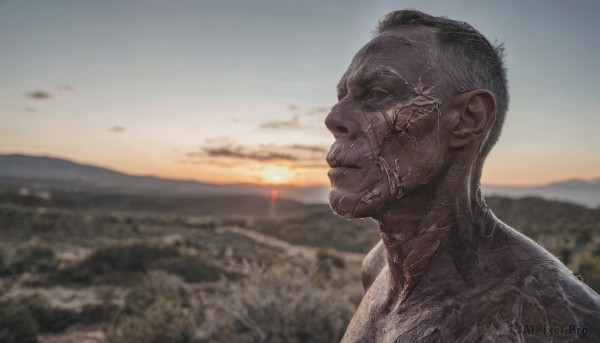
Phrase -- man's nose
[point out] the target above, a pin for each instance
(340, 122)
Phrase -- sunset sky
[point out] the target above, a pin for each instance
(237, 91)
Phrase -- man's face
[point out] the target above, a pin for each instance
(388, 125)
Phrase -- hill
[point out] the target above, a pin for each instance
(583, 192)
(48, 173)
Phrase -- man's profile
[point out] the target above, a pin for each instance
(419, 109)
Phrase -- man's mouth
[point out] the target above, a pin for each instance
(334, 160)
(338, 172)
(340, 169)
(338, 164)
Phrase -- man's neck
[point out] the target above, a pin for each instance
(432, 221)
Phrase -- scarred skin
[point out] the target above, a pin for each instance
(446, 269)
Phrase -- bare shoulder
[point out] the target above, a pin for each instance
(372, 265)
(543, 287)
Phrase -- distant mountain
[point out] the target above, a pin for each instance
(39, 172)
(583, 192)
(55, 172)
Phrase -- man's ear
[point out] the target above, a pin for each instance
(477, 113)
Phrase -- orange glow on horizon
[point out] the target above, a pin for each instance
(277, 175)
(496, 173)
(265, 175)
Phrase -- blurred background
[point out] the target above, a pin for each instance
(162, 173)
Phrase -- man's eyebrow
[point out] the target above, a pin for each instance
(385, 70)
(364, 75)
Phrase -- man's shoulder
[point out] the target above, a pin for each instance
(507, 244)
(553, 292)
(537, 285)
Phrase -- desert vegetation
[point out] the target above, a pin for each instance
(69, 274)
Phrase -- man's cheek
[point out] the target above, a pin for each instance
(429, 159)
(412, 157)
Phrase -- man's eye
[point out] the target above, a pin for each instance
(375, 94)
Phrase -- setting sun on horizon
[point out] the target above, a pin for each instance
(277, 175)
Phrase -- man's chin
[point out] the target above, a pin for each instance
(349, 204)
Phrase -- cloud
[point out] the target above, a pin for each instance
(226, 152)
(40, 95)
(116, 129)
(293, 123)
(317, 111)
(312, 148)
(309, 111)
(66, 88)
(241, 153)
(44, 95)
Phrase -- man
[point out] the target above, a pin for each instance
(419, 109)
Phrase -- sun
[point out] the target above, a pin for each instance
(277, 175)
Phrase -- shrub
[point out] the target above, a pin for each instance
(582, 235)
(94, 314)
(49, 319)
(163, 322)
(282, 305)
(329, 256)
(156, 284)
(34, 258)
(52, 319)
(3, 263)
(589, 269)
(17, 325)
(119, 264)
(322, 229)
(156, 311)
(190, 269)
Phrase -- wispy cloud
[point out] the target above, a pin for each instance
(45, 95)
(311, 148)
(296, 121)
(244, 153)
(226, 152)
(66, 88)
(293, 123)
(309, 111)
(40, 95)
(116, 129)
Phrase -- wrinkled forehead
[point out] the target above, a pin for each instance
(405, 52)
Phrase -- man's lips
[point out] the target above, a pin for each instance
(335, 162)
(338, 172)
(338, 164)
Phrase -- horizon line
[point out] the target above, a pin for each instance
(114, 169)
